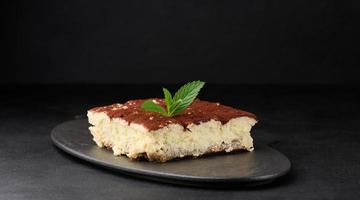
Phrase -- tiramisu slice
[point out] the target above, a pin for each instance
(201, 128)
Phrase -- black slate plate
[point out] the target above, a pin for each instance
(242, 168)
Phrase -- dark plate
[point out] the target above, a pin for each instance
(261, 166)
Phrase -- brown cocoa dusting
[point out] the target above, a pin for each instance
(201, 111)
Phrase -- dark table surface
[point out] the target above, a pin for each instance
(316, 127)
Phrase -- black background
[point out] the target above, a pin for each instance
(242, 42)
(292, 63)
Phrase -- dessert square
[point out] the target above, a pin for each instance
(202, 128)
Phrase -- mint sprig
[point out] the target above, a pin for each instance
(181, 100)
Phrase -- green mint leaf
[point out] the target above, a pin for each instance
(149, 105)
(177, 103)
(168, 99)
(185, 96)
